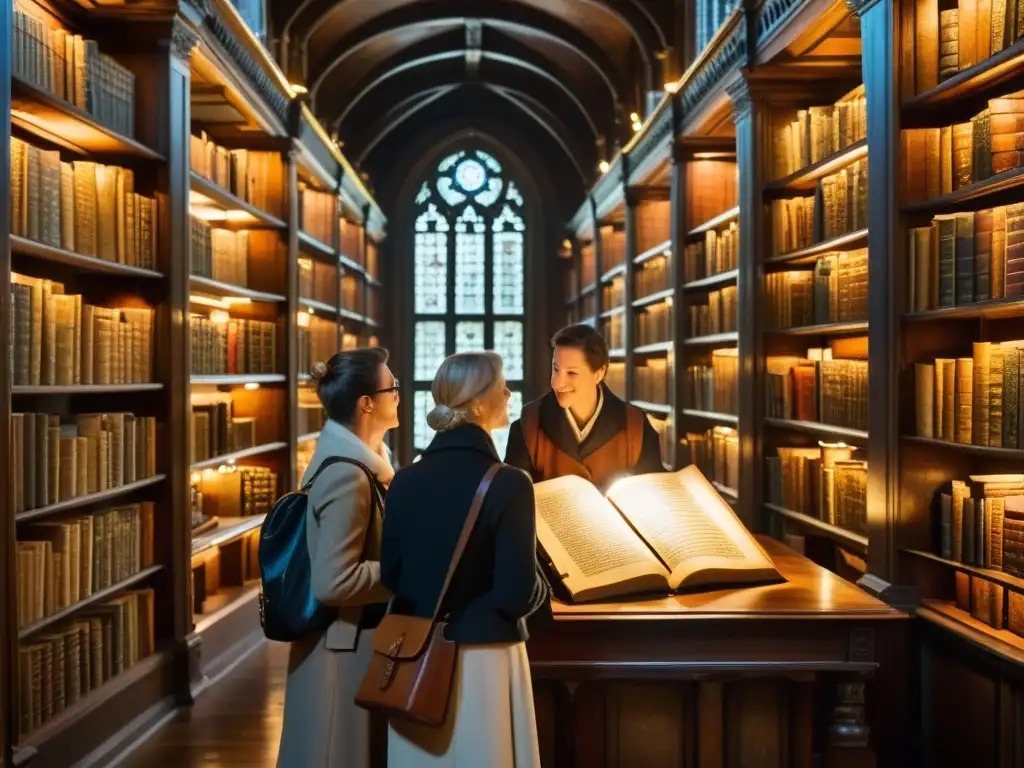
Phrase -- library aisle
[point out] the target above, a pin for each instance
(237, 723)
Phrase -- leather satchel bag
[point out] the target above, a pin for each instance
(413, 664)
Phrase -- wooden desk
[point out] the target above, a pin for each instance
(762, 676)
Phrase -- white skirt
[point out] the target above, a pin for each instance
(490, 720)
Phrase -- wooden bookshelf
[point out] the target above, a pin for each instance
(799, 277)
(177, 233)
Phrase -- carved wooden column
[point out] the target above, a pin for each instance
(753, 149)
(8, 568)
(291, 318)
(630, 200)
(163, 97)
(879, 55)
(677, 276)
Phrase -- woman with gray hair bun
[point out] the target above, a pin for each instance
(490, 716)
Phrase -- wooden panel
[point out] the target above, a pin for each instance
(647, 724)
(756, 724)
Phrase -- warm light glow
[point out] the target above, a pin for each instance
(196, 477)
(634, 117)
(233, 300)
(220, 317)
(616, 481)
(667, 252)
(303, 319)
(208, 301)
(566, 244)
(251, 385)
(637, 125)
(712, 156)
(298, 89)
(207, 213)
(227, 469)
(603, 166)
(672, 87)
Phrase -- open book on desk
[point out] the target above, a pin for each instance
(657, 532)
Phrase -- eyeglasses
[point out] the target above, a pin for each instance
(393, 388)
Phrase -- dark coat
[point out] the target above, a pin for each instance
(497, 584)
(610, 423)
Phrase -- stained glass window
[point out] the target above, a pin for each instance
(469, 214)
(515, 408)
(430, 348)
(422, 434)
(469, 263)
(469, 335)
(508, 342)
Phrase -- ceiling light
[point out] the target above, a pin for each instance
(634, 117)
(637, 125)
(603, 166)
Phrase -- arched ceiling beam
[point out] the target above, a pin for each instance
(439, 72)
(396, 119)
(498, 13)
(306, 17)
(401, 112)
(391, 70)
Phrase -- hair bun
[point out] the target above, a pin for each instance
(442, 418)
(318, 371)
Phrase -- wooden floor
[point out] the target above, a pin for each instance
(237, 722)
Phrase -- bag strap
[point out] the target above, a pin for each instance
(467, 529)
(331, 460)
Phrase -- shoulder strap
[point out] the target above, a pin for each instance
(634, 433)
(331, 460)
(530, 420)
(467, 529)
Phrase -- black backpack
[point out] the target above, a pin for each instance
(288, 609)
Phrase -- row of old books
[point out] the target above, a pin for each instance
(613, 330)
(220, 254)
(942, 160)
(351, 292)
(56, 339)
(654, 324)
(981, 522)
(824, 482)
(255, 177)
(72, 68)
(613, 248)
(588, 266)
(714, 387)
(62, 563)
(716, 453)
(718, 315)
(973, 400)
(651, 381)
(234, 491)
(317, 341)
(718, 252)
(81, 206)
(310, 418)
(53, 462)
(963, 258)
(318, 211)
(613, 293)
(616, 378)
(232, 347)
(59, 668)
(318, 281)
(820, 132)
(652, 276)
(991, 603)
(839, 206)
(217, 431)
(304, 455)
(818, 388)
(588, 305)
(950, 39)
(835, 291)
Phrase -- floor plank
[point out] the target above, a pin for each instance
(237, 722)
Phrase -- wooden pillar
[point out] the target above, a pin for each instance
(879, 56)
(631, 200)
(163, 99)
(753, 146)
(598, 260)
(8, 567)
(677, 276)
(291, 318)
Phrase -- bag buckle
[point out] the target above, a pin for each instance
(387, 675)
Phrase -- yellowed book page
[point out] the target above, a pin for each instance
(589, 544)
(691, 527)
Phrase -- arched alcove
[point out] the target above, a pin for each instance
(469, 245)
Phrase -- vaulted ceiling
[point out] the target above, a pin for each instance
(560, 75)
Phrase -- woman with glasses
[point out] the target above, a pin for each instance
(323, 727)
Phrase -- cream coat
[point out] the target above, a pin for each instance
(323, 728)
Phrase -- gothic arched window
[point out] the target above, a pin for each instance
(468, 288)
